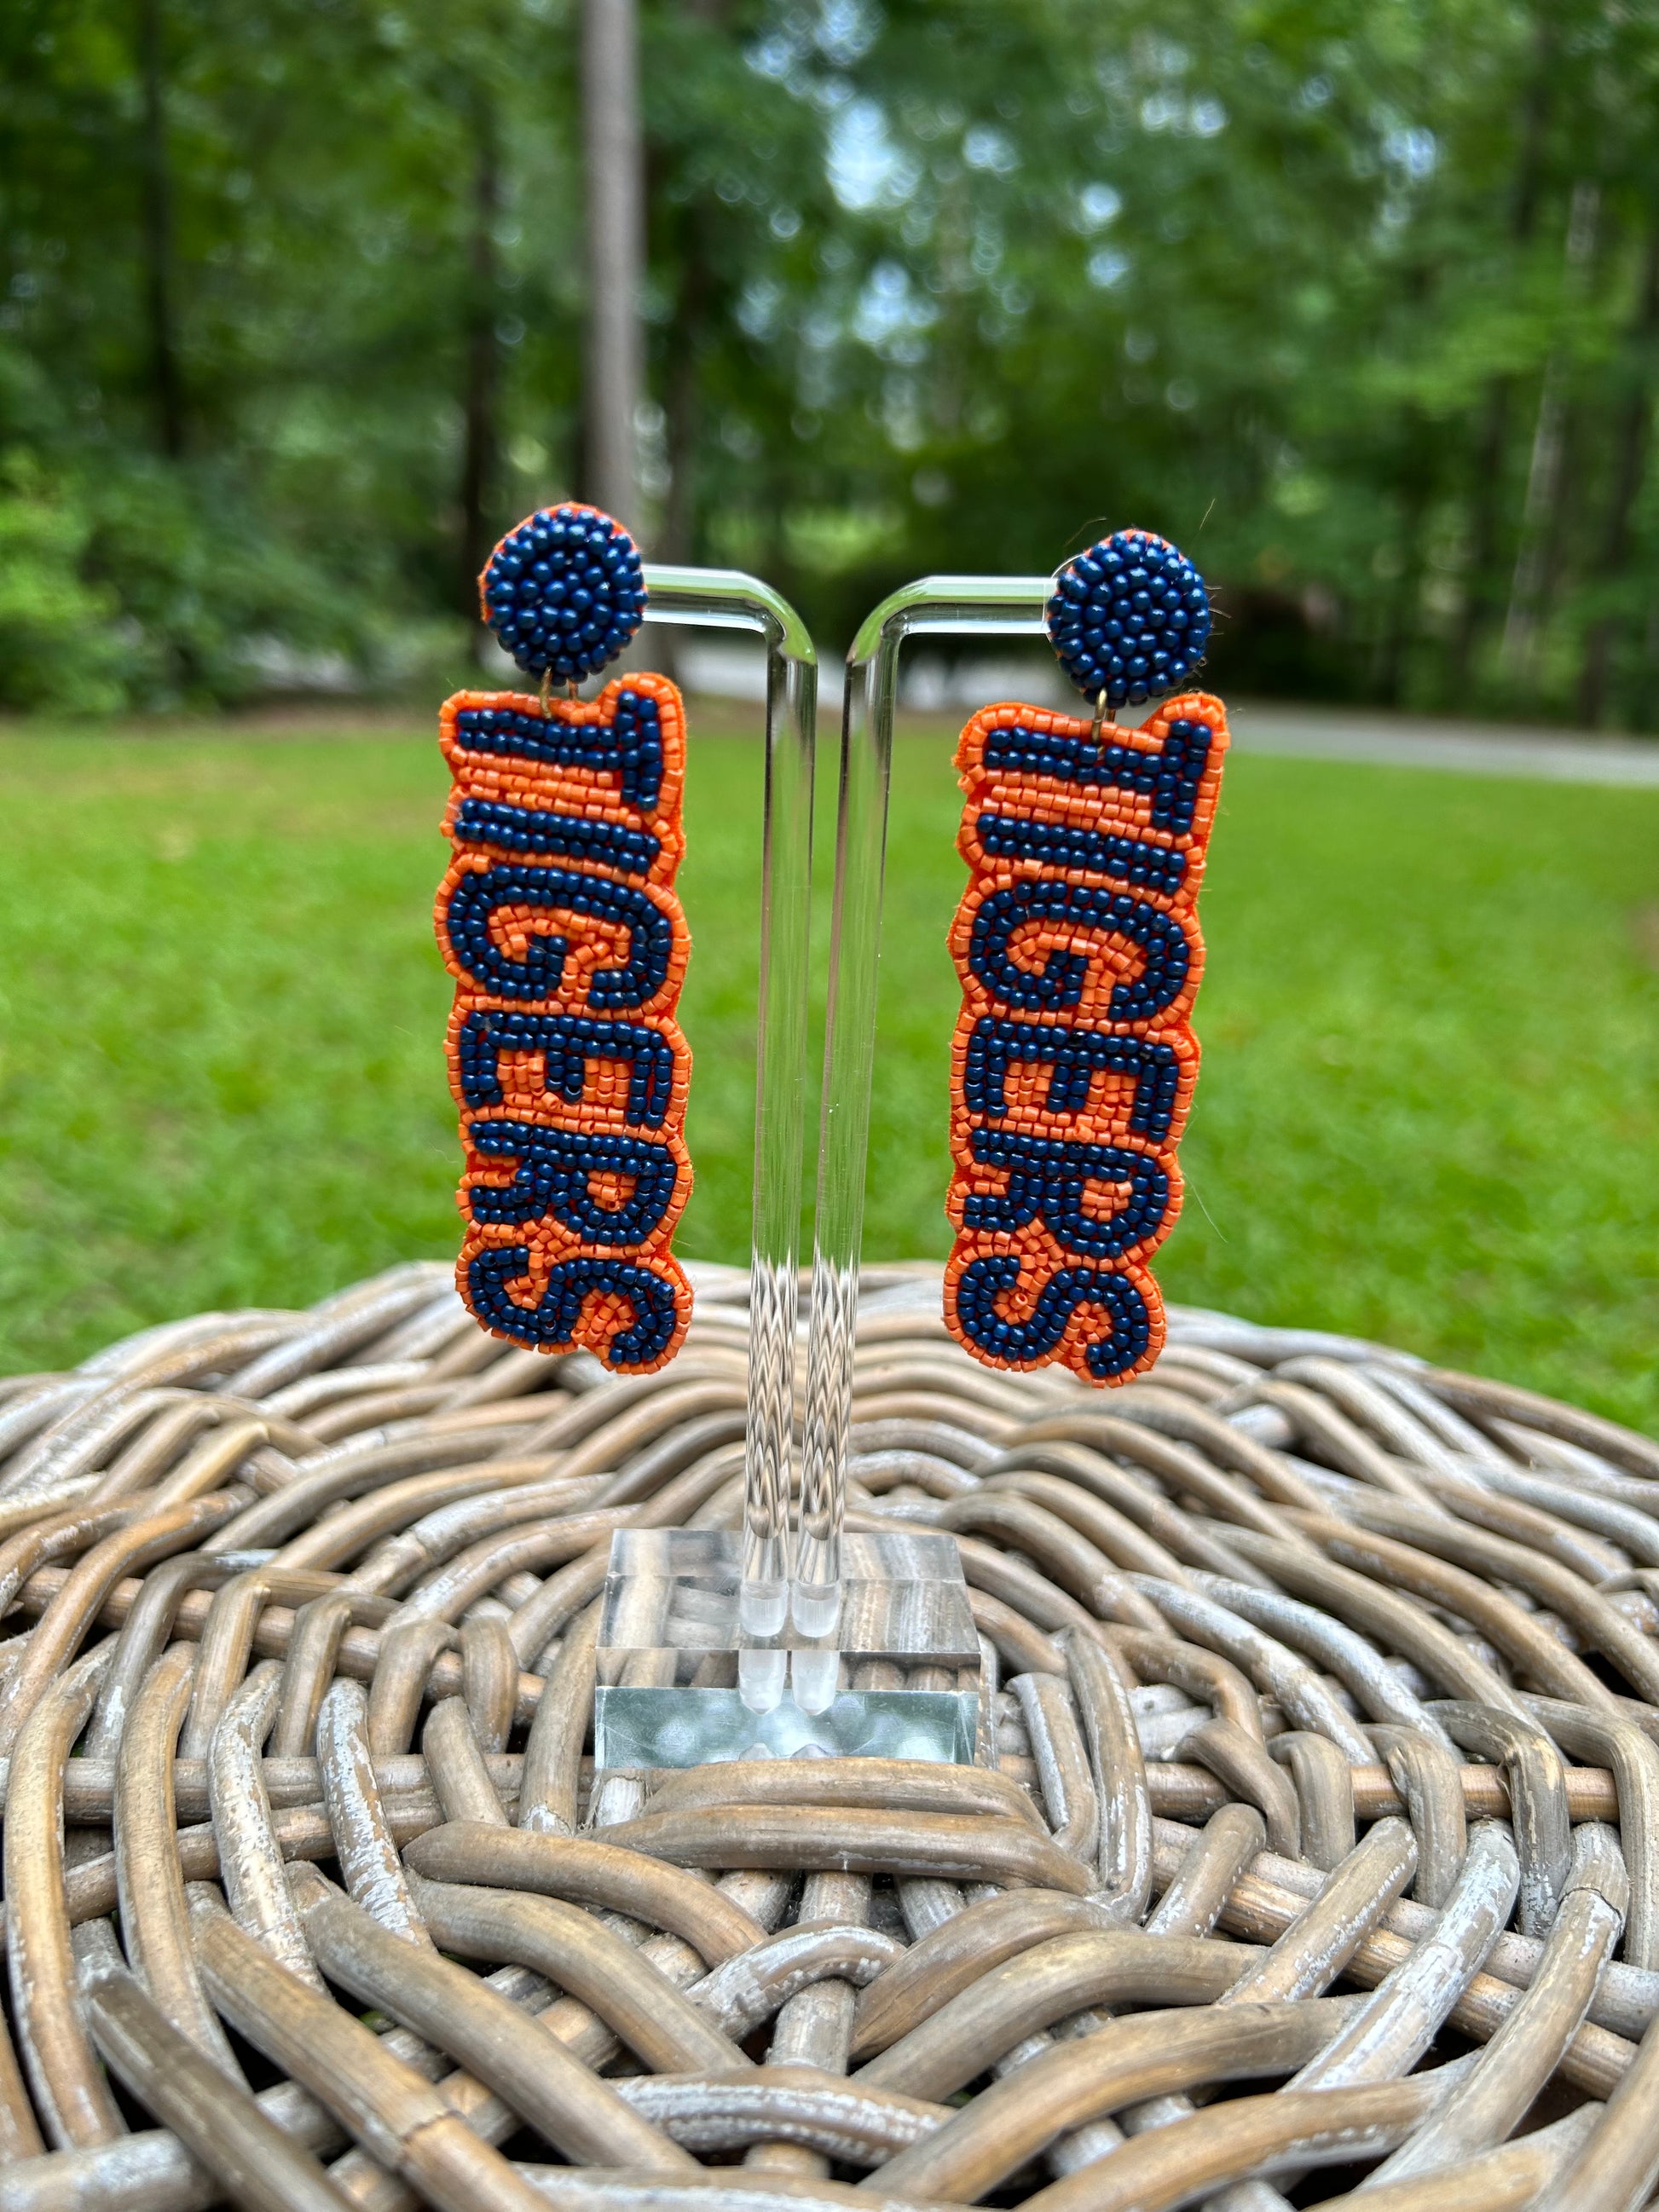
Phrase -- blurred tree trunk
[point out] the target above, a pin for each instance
(481, 369)
(1547, 474)
(613, 173)
(1484, 518)
(1487, 505)
(167, 386)
(1629, 464)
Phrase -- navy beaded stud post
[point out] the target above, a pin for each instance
(1078, 947)
(1129, 618)
(558, 920)
(564, 591)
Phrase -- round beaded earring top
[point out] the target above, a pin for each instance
(564, 591)
(1129, 618)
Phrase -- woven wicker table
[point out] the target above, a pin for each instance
(1315, 1840)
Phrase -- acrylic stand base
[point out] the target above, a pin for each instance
(677, 1687)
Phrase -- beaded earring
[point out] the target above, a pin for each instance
(558, 920)
(1078, 946)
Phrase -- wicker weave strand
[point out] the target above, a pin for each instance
(1315, 1849)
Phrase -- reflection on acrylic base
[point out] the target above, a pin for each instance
(680, 1684)
(699, 1727)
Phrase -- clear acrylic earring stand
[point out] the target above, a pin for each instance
(932, 1678)
(705, 1652)
(680, 1604)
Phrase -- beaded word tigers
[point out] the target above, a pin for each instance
(558, 920)
(1078, 947)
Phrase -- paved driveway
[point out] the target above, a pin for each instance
(1470, 748)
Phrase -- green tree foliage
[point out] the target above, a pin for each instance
(1360, 304)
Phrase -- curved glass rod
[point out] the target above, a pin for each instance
(962, 606)
(726, 598)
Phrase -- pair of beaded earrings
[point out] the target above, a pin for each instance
(1077, 944)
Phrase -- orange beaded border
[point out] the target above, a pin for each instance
(1073, 869)
(502, 801)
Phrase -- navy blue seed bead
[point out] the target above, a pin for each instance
(1129, 618)
(563, 593)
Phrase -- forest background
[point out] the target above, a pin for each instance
(1358, 302)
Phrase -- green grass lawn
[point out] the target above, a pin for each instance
(1430, 1109)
